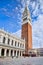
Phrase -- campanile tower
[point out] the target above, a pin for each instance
(27, 29)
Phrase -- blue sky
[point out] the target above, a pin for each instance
(11, 18)
(9, 15)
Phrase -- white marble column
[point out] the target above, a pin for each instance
(1, 39)
(10, 42)
(9, 52)
(16, 52)
(13, 52)
(6, 40)
(0, 52)
(21, 53)
(5, 52)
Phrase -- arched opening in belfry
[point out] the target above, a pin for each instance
(7, 52)
(2, 52)
(11, 52)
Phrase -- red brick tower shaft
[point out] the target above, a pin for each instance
(27, 35)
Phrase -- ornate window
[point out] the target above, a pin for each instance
(18, 44)
(12, 42)
(4, 39)
(15, 43)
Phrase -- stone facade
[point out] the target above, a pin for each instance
(10, 45)
(37, 51)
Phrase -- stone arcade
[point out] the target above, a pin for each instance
(10, 45)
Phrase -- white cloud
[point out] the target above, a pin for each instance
(21, 10)
(28, 1)
(4, 9)
(18, 33)
(36, 11)
(11, 24)
(37, 32)
(41, 5)
(6, 12)
(16, 8)
(23, 3)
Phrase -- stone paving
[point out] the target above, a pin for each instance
(22, 61)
